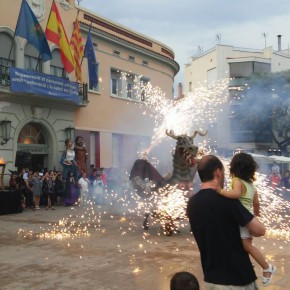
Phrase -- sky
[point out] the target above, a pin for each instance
(189, 26)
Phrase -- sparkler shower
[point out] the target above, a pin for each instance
(197, 110)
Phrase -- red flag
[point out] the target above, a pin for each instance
(55, 33)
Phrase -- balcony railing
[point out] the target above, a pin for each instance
(80, 90)
(250, 137)
(4, 76)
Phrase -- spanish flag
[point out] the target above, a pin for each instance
(77, 49)
(56, 34)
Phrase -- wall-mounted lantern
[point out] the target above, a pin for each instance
(5, 129)
(70, 132)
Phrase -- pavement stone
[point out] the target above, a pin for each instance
(105, 249)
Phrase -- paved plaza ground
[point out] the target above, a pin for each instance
(105, 248)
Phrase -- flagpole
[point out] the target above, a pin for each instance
(38, 61)
(44, 33)
(13, 37)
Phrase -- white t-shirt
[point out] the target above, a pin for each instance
(84, 183)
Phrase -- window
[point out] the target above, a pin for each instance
(95, 88)
(6, 42)
(56, 66)
(117, 53)
(143, 84)
(129, 91)
(31, 134)
(127, 85)
(131, 58)
(116, 83)
(32, 59)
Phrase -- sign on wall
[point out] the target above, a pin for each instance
(25, 81)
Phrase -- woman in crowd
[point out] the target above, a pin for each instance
(36, 189)
(70, 192)
(48, 190)
(59, 188)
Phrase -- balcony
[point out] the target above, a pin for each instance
(49, 90)
(250, 137)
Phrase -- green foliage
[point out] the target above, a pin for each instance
(265, 100)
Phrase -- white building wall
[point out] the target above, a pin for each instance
(214, 63)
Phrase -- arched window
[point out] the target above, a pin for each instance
(31, 134)
(32, 59)
(56, 66)
(6, 42)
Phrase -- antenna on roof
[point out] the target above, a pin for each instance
(199, 49)
(218, 38)
(265, 35)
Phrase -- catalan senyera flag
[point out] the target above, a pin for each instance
(77, 49)
(55, 33)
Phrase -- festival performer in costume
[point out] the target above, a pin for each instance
(81, 154)
(68, 160)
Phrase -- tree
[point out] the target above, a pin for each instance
(265, 108)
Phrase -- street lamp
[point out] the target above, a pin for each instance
(70, 132)
(5, 129)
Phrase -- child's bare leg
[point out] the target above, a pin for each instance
(257, 256)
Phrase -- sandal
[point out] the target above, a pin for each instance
(268, 280)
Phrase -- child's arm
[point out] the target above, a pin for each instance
(256, 204)
(236, 192)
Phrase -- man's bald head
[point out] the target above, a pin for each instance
(207, 166)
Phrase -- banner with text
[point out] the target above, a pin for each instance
(25, 81)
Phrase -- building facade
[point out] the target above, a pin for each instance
(35, 124)
(235, 64)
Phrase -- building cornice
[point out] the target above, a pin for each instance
(130, 45)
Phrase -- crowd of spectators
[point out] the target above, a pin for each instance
(49, 189)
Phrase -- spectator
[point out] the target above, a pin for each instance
(70, 191)
(184, 281)
(36, 189)
(59, 188)
(103, 175)
(27, 177)
(48, 190)
(84, 184)
(215, 221)
(14, 181)
(275, 167)
(275, 179)
(242, 169)
(98, 189)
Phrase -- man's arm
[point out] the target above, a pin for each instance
(256, 228)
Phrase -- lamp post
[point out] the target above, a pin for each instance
(5, 128)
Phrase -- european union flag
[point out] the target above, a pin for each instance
(92, 62)
(29, 28)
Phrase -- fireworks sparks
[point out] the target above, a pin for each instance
(167, 206)
(196, 110)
